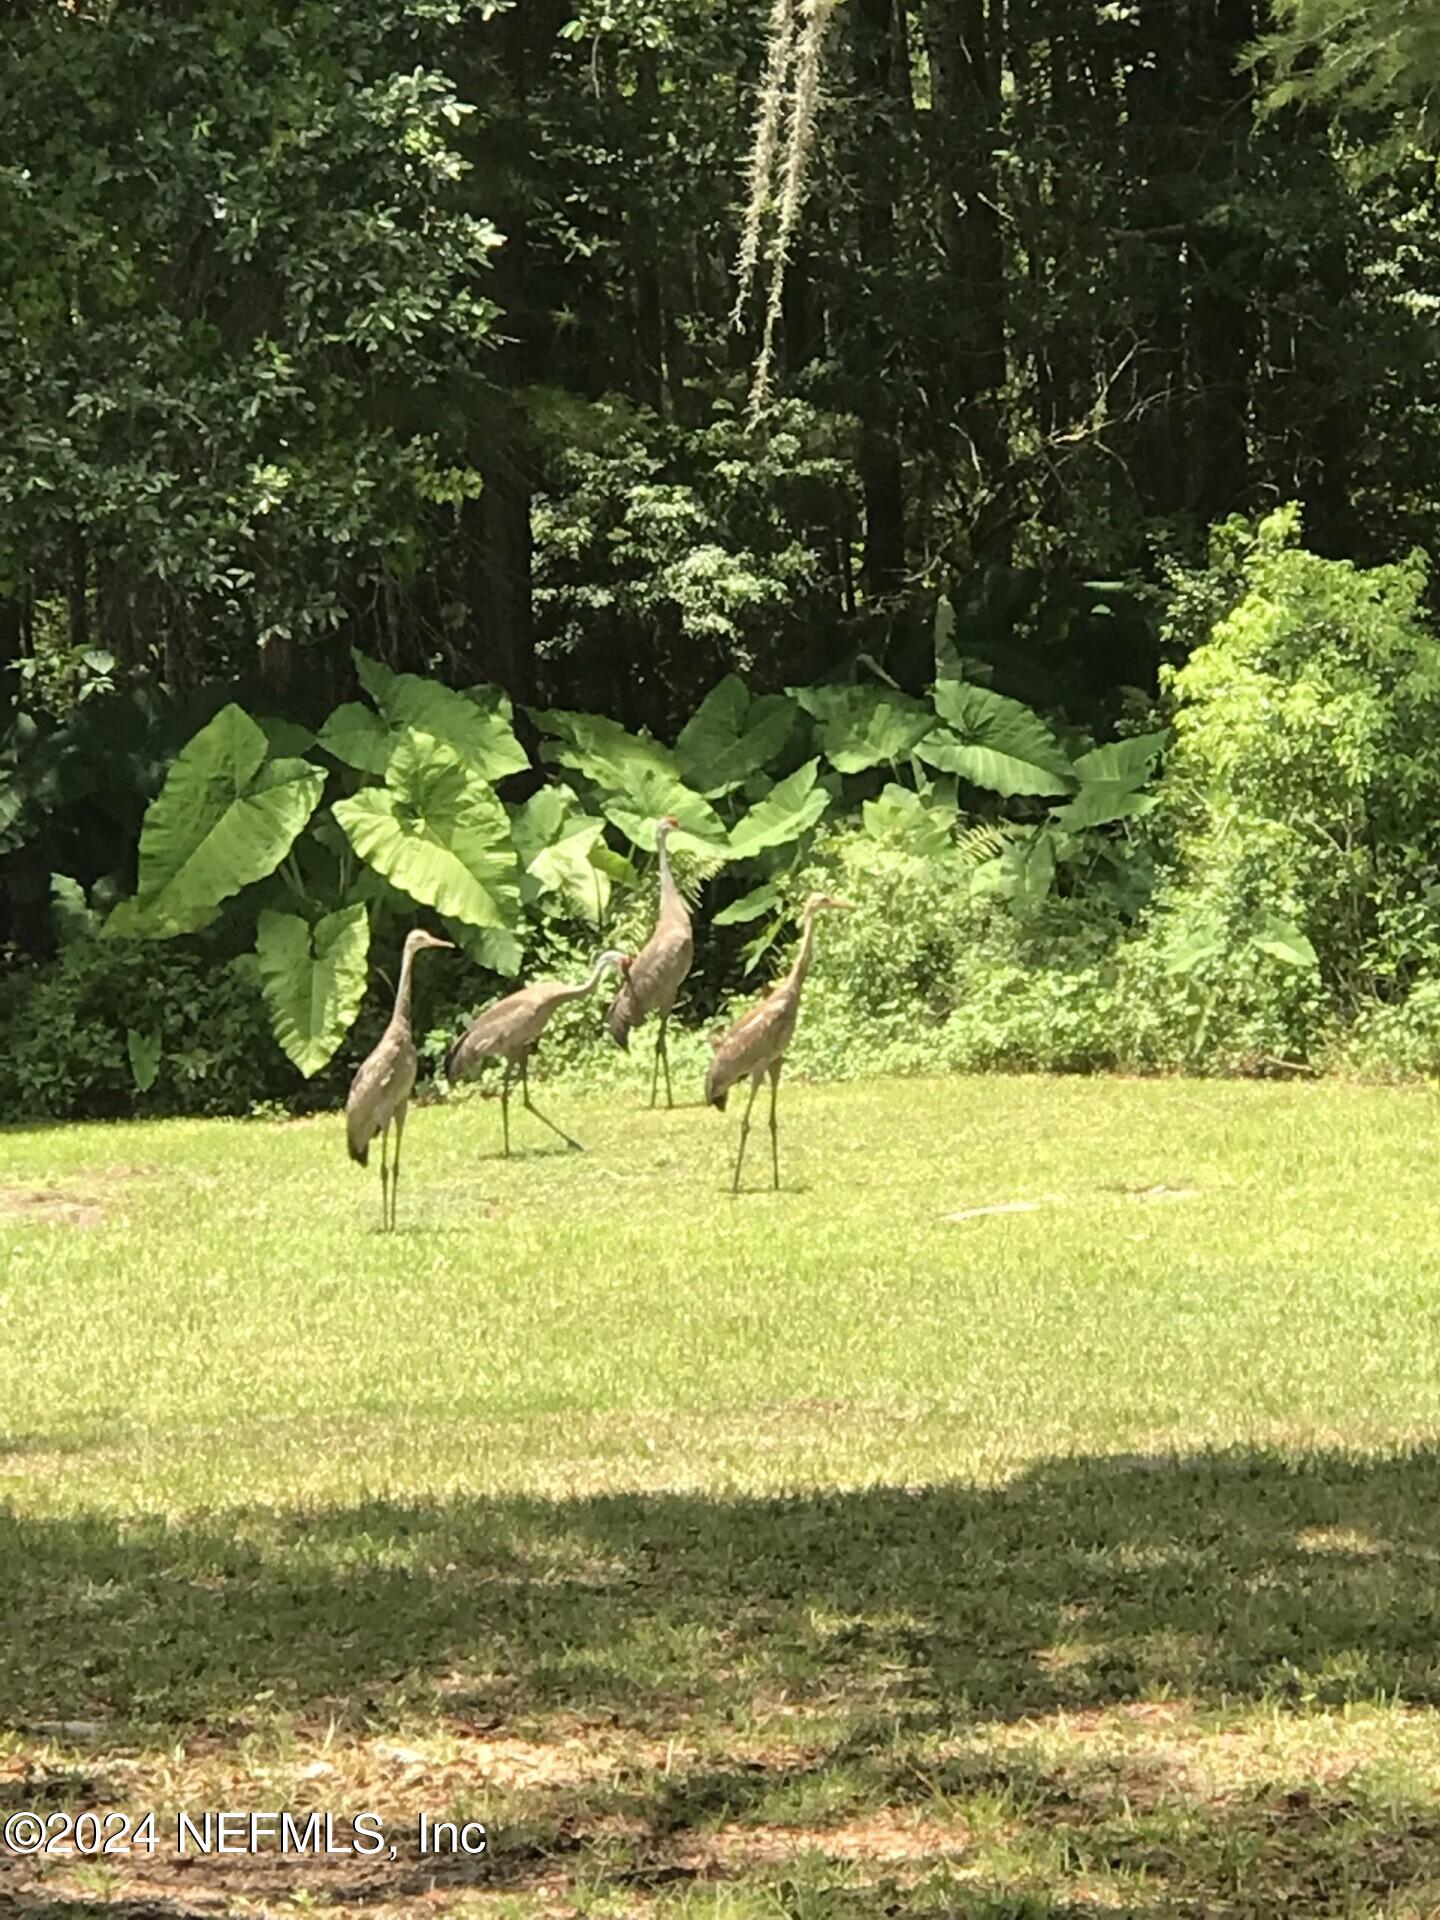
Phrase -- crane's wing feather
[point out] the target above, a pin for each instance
(510, 1025)
(655, 976)
(756, 1039)
(384, 1083)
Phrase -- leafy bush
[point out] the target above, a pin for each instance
(304, 848)
(1296, 819)
(1025, 899)
(76, 1026)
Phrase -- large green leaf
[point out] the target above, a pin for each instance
(70, 914)
(729, 737)
(1101, 801)
(225, 817)
(648, 798)
(144, 1051)
(1028, 867)
(1285, 942)
(1191, 947)
(864, 727)
(750, 907)
(496, 949)
(1122, 760)
(604, 752)
(358, 736)
(313, 980)
(639, 779)
(287, 738)
(555, 840)
(1110, 781)
(436, 831)
(787, 811)
(475, 725)
(996, 743)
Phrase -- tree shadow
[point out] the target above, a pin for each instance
(900, 1621)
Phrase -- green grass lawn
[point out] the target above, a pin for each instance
(817, 1554)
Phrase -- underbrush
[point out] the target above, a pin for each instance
(1270, 902)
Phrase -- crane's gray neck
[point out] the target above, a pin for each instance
(597, 973)
(400, 1018)
(806, 953)
(671, 898)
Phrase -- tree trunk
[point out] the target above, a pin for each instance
(642, 234)
(12, 642)
(881, 474)
(1221, 326)
(962, 45)
(499, 543)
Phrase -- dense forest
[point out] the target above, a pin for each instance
(601, 353)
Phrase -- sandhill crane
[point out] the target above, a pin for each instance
(757, 1044)
(380, 1091)
(658, 971)
(511, 1030)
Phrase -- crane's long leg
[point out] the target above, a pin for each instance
(774, 1130)
(385, 1176)
(655, 1065)
(744, 1134)
(665, 1060)
(395, 1170)
(505, 1104)
(532, 1108)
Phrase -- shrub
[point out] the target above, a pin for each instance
(1296, 813)
(67, 1025)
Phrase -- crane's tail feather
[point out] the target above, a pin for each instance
(452, 1059)
(717, 1091)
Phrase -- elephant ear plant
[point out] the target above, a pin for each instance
(238, 830)
(302, 848)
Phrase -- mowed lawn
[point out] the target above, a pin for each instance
(818, 1553)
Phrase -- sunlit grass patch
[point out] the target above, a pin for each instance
(801, 1554)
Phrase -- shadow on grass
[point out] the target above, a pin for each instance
(893, 1621)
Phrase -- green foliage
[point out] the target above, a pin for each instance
(862, 727)
(143, 1051)
(112, 1027)
(237, 264)
(437, 832)
(995, 743)
(699, 537)
(783, 817)
(556, 843)
(237, 842)
(731, 737)
(476, 726)
(313, 980)
(226, 817)
(1361, 56)
(1301, 792)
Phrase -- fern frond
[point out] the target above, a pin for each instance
(984, 840)
(694, 871)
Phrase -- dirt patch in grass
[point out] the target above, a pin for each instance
(874, 1839)
(63, 1205)
(50, 1207)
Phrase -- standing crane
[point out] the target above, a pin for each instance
(511, 1030)
(757, 1044)
(380, 1091)
(659, 969)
